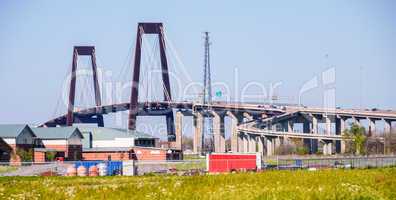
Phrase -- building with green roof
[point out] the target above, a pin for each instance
(15, 137)
(67, 141)
(95, 137)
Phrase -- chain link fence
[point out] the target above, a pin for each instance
(336, 162)
(128, 167)
(188, 167)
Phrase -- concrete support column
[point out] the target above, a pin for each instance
(234, 132)
(340, 127)
(327, 147)
(371, 126)
(314, 128)
(387, 132)
(290, 125)
(328, 125)
(307, 129)
(218, 133)
(252, 143)
(277, 143)
(387, 126)
(245, 143)
(198, 122)
(179, 130)
(260, 145)
(356, 121)
(270, 146)
(240, 142)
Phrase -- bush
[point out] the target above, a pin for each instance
(50, 156)
(25, 155)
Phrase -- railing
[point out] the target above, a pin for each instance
(126, 167)
(337, 162)
(193, 167)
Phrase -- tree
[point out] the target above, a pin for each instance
(50, 156)
(25, 155)
(357, 136)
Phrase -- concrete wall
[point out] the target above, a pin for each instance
(104, 155)
(117, 142)
(137, 153)
(39, 156)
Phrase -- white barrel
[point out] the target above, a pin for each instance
(81, 171)
(102, 169)
(71, 171)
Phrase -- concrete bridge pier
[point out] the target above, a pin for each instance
(387, 132)
(218, 133)
(328, 124)
(260, 145)
(236, 140)
(270, 145)
(340, 128)
(356, 120)
(240, 142)
(387, 126)
(252, 143)
(179, 130)
(198, 123)
(327, 147)
(310, 125)
(245, 143)
(371, 126)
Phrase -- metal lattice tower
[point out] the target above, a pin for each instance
(207, 95)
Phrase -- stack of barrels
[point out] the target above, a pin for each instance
(100, 170)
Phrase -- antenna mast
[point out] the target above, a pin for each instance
(207, 95)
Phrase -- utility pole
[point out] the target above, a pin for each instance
(207, 95)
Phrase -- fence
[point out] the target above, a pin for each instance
(130, 167)
(336, 162)
(190, 167)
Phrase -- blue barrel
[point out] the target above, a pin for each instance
(114, 168)
(87, 164)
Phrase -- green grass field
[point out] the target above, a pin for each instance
(326, 184)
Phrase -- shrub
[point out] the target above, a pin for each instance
(25, 155)
(50, 156)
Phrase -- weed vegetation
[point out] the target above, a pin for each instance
(301, 184)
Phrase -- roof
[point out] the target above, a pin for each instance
(12, 130)
(56, 132)
(102, 133)
(106, 149)
(44, 150)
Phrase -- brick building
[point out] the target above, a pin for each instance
(124, 153)
(115, 137)
(13, 140)
(65, 141)
(101, 143)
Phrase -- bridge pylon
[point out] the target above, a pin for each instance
(83, 51)
(150, 28)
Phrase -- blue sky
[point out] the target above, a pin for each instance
(267, 41)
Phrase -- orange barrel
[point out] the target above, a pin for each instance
(71, 171)
(93, 171)
(81, 171)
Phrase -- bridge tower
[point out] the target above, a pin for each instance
(150, 28)
(83, 51)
